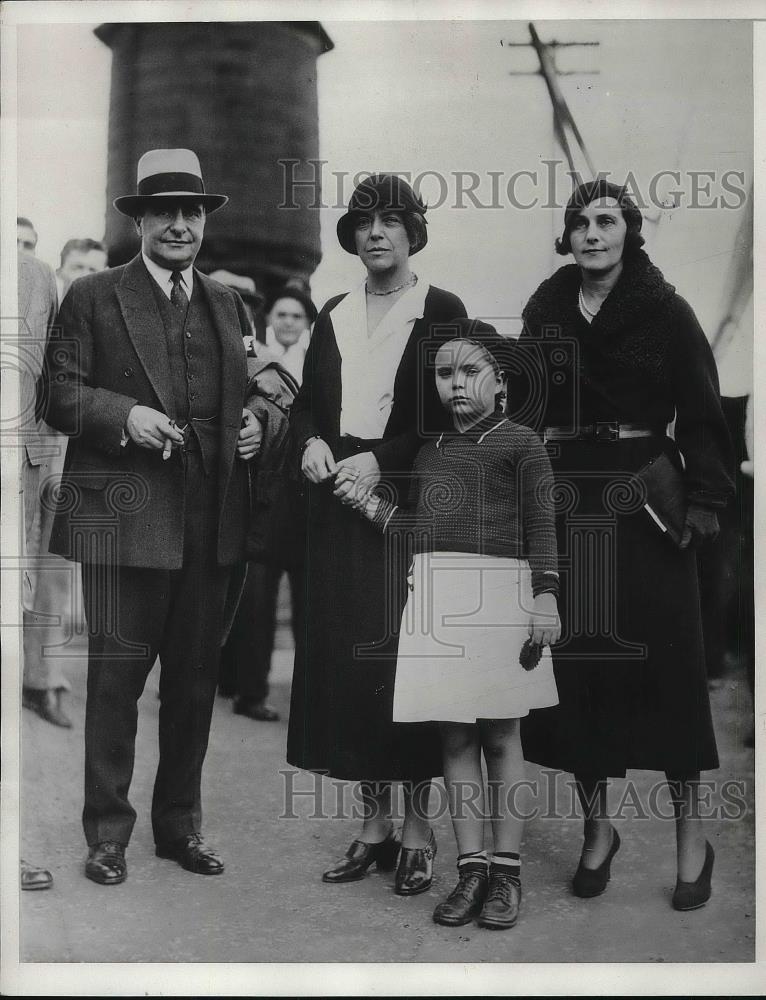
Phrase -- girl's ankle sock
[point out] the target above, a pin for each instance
(473, 861)
(506, 863)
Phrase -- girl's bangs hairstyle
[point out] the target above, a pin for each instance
(592, 191)
(500, 350)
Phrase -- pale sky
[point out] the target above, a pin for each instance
(423, 96)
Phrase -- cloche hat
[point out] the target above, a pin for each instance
(377, 193)
(168, 173)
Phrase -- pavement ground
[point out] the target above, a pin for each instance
(270, 905)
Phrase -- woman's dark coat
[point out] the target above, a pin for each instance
(630, 665)
(343, 682)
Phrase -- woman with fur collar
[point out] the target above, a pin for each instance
(615, 371)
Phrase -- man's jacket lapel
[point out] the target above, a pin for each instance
(146, 330)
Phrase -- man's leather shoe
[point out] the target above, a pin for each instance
(193, 854)
(33, 877)
(416, 869)
(257, 710)
(48, 705)
(466, 899)
(360, 856)
(106, 863)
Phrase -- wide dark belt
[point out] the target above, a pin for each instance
(603, 430)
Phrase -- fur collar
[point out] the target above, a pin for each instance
(632, 330)
(639, 294)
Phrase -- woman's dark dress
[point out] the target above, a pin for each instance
(630, 667)
(343, 682)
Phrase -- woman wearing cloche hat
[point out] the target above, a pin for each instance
(361, 416)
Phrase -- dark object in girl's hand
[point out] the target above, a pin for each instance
(530, 654)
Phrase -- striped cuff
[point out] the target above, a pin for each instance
(545, 582)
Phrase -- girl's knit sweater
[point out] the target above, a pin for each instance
(488, 490)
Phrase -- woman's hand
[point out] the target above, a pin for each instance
(544, 623)
(356, 476)
(318, 464)
(701, 526)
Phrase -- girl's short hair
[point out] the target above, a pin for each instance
(591, 191)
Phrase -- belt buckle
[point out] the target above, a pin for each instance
(607, 430)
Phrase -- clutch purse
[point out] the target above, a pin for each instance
(665, 496)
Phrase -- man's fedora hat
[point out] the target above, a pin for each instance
(168, 173)
(381, 192)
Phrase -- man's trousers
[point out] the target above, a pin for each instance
(135, 615)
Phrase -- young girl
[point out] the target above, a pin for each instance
(482, 598)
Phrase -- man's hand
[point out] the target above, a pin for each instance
(544, 624)
(318, 463)
(149, 428)
(357, 475)
(250, 436)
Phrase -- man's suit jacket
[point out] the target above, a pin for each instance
(37, 311)
(112, 354)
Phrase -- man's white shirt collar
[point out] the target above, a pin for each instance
(162, 276)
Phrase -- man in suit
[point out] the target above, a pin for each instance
(42, 677)
(148, 378)
(46, 595)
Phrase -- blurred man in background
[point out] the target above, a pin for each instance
(37, 311)
(26, 237)
(51, 584)
(79, 257)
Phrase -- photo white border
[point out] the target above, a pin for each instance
(413, 979)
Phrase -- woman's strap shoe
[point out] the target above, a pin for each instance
(693, 895)
(416, 868)
(360, 856)
(589, 882)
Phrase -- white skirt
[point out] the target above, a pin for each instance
(462, 630)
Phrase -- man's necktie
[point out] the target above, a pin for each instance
(178, 296)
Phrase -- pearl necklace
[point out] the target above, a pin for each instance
(412, 280)
(584, 308)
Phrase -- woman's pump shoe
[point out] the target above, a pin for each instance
(416, 868)
(589, 882)
(693, 895)
(360, 856)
